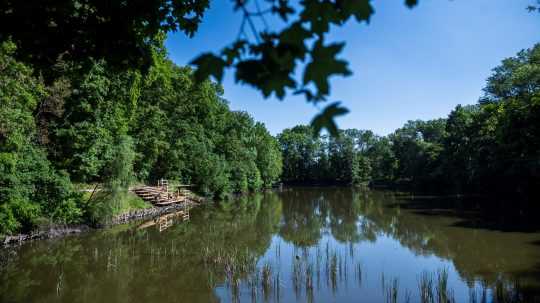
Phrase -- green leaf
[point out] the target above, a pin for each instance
(283, 10)
(362, 10)
(293, 39)
(326, 119)
(208, 64)
(323, 65)
(320, 14)
(411, 3)
(258, 74)
(234, 51)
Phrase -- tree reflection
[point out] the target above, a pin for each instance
(230, 248)
(304, 216)
(126, 264)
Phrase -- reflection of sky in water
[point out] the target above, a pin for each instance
(384, 259)
(188, 262)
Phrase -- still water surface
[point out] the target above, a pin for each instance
(298, 245)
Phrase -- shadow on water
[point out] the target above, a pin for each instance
(483, 243)
(476, 212)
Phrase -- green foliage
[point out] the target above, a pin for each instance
(114, 197)
(96, 115)
(326, 119)
(185, 131)
(110, 126)
(121, 32)
(299, 149)
(490, 147)
(360, 169)
(417, 146)
(126, 33)
(323, 65)
(352, 157)
(269, 159)
(29, 187)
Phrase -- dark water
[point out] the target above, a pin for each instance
(302, 244)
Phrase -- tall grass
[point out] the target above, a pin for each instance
(425, 286)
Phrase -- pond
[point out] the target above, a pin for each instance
(313, 244)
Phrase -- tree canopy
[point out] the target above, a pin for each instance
(490, 147)
(109, 126)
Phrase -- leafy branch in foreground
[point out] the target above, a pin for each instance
(534, 7)
(293, 57)
(326, 119)
(270, 60)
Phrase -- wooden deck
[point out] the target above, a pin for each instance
(162, 195)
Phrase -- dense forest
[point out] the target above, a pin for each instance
(489, 147)
(96, 124)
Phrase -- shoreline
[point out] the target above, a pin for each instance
(62, 230)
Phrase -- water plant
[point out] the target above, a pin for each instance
(425, 284)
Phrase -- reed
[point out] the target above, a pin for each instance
(266, 280)
(359, 274)
(334, 271)
(442, 286)
(296, 276)
(425, 285)
(407, 297)
(392, 291)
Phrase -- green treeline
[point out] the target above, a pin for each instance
(492, 146)
(94, 124)
(89, 122)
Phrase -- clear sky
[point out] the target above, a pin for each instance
(407, 64)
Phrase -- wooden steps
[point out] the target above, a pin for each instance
(161, 195)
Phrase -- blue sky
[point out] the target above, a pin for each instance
(407, 64)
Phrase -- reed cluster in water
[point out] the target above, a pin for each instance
(312, 270)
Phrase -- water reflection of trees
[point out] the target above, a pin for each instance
(221, 246)
(489, 256)
(353, 215)
(125, 264)
(309, 212)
